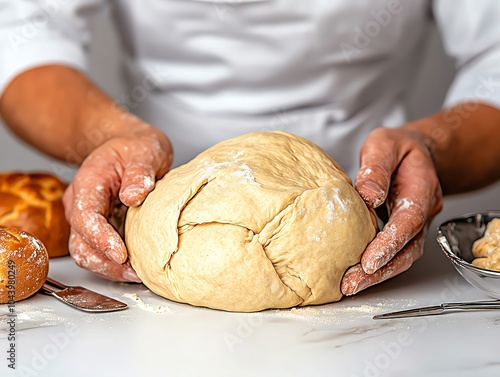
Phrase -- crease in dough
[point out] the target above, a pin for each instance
(283, 278)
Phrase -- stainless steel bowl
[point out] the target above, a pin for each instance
(456, 237)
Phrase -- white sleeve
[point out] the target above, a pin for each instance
(40, 32)
(470, 30)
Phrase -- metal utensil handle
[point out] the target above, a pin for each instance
(55, 283)
(494, 304)
(46, 290)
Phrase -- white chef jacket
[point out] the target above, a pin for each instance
(204, 71)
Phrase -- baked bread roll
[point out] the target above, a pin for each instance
(33, 202)
(24, 265)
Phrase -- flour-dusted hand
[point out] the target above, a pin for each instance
(120, 172)
(406, 171)
(120, 157)
(397, 177)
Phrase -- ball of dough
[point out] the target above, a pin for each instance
(264, 220)
(24, 265)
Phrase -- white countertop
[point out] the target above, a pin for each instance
(339, 339)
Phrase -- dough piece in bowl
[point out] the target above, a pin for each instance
(487, 248)
(264, 220)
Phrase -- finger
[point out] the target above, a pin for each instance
(100, 235)
(379, 158)
(91, 260)
(137, 182)
(372, 183)
(393, 237)
(149, 160)
(356, 279)
(413, 202)
(91, 198)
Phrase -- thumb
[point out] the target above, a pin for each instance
(138, 180)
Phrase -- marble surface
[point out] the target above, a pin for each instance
(156, 337)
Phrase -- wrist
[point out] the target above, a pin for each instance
(105, 122)
(437, 134)
(431, 132)
(462, 141)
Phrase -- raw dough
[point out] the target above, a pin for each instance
(265, 220)
(487, 248)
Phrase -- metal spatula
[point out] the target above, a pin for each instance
(81, 298)
(443, 308)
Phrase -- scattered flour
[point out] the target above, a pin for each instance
(363, 309)
(337, 313)
(243, 170)
(32, 314)
(148, 307)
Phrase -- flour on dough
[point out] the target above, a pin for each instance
(264, 220)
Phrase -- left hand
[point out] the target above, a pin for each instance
(398, 178)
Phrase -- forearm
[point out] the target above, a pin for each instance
(62, 113)
(464, 145)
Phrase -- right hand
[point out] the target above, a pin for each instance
(121, 171)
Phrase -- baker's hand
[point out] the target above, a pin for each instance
(121, 171)
(397, 177)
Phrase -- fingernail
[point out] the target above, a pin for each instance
(131, 276)
(132, 195)
(116, 256)
(350, 282)
(373, 187)
(377, 265)
(355, 287)
(360, 286)
(370, 266)
(375, 193)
